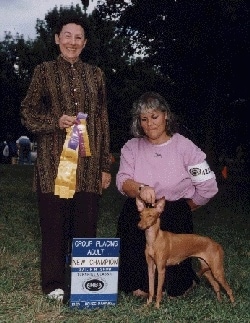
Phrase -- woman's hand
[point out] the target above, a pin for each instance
(192, 205)
(66, 121)
(147, 194)
(106, 180)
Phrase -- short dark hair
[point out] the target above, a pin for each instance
(73, 19)
(147, 101)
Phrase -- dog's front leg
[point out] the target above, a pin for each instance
(161, 277)
(151, 278)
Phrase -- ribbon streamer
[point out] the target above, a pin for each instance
(76, 139)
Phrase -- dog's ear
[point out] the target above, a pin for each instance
(140, 204)
(160, 204)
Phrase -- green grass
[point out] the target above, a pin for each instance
(226, 219)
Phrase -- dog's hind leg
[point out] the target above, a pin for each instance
(217, 272)
(206, 271)
(220, 277)
(217, 269)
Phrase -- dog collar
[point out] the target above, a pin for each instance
(149, 205)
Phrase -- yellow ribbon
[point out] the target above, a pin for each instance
(65, 182)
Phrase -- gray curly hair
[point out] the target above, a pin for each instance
(147, 101)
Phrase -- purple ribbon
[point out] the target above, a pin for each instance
(76, 138)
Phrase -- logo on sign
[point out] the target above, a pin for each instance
(94, 285)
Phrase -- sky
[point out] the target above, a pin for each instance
(21, 15)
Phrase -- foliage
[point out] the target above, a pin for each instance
(125, 77)
(15, 58)
(195, 53)
(202, 47)
(21, 299)
(184, 37)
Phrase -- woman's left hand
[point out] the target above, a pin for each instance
(106, 179)
(147, 194)
(66, 121)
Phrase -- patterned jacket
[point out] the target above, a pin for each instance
(59, 87)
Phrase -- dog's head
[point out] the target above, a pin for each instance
(149, 215)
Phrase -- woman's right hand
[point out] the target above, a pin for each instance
(66, 121)
(147, 194)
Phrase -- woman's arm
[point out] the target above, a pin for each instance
(136, 189)
(125, 181)
(132, 188)
(105, 157)
(202, 177)
(36, 113)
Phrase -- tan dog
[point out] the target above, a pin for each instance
(164, 248)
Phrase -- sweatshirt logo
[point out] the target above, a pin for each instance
(198, 171)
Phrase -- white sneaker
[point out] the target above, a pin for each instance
(56, 294)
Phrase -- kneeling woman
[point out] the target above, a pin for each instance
(159, 162)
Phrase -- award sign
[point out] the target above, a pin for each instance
(94, 272)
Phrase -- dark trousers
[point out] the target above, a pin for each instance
(60, 221)
(133, 272)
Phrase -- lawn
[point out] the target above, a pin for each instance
(225, 219)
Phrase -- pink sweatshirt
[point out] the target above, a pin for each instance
(176, 169)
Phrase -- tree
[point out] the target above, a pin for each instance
(126, 77)
(15, 57)
(198, 45)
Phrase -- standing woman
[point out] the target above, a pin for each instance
(59, 90)
(159, 162)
